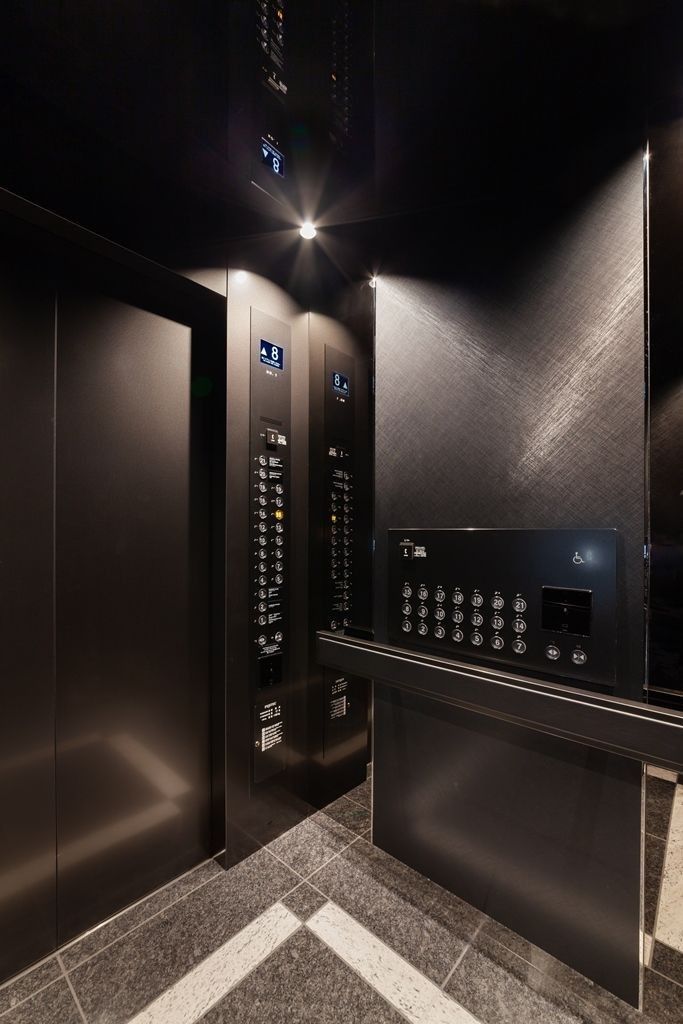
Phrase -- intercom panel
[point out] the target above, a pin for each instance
(538, 600)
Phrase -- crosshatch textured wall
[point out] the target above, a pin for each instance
(518, 401)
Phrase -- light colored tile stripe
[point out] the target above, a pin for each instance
(410, 992)
(670, 914)
(208, 982)
(662, 773)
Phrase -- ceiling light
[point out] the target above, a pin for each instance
(373, 282)
(307, 230)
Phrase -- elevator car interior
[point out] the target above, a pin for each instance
(341, 517)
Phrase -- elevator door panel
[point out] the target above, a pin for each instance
(27, 813)
(132, 711)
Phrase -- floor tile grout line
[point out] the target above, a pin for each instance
(356, 802)
(72, 990)
(136, 927)
(305, 878)
(396, 954)
(666, 841)
(461, 956)
(329, 861)
(31, 995)
(666, 977)
(143, 900)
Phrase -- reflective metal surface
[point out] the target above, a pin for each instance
(27, 813)
(132, 678)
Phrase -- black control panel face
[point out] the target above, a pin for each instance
(339, 525)
(541, 600)
(269, 498)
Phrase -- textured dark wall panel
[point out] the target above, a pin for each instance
(520, 403)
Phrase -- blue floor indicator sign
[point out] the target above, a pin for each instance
(272, 355)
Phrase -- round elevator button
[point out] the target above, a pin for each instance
(518, 646)
(497, 643)
(439, 632)
(477, 619)
(423, 593)
(579, 657)
(406, 609)
(477, 639)
(477, 600)
(406, 626)
(457, 615)
(497, 621)
(519, 605)
(423, 611)
(552, 652)
(439, 614)
(423, 629)
(457, 635)
(457, 597)
(439, 595)
(407, 591)
(497, 602)
(519, 625)
(278, 638)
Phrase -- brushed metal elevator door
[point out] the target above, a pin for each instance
(132, 663)
(27, 762)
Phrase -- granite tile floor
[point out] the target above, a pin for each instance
(320, 926)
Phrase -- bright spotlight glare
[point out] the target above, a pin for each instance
(307, 230)
(241, 276)
(373, 282)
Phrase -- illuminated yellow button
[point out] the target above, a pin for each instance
(333, 518)
(279, 514)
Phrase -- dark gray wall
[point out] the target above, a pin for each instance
(27, 789)
(517, 401)
(132, 673)
(510, 393)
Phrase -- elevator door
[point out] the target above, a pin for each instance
(27, 822)
(131, 610)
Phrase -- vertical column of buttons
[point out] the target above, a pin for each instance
(340, 497)
(269, 552)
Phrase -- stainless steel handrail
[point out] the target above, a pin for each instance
(627, 727)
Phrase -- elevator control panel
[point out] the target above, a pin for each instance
(538, 600)
(270, 453)
(339, 507)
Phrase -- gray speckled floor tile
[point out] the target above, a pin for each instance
(662, 1000)
(659, 797)
(302, 982)
(304, 901)
(500, 988)
(349, 814)
(110, 931)
(654, 863)
(117, 982)
(308, 846)
(52, 1005)
(362, 794)
(603, 1004)
(422, 922)
(26, 984)
(668, 961)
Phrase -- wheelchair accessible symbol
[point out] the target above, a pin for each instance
(577, 559)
